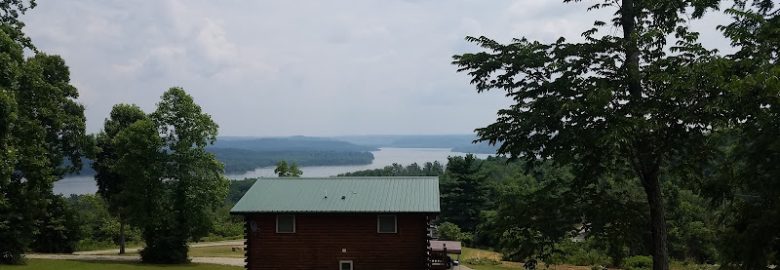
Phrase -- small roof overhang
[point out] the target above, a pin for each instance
(451, 247)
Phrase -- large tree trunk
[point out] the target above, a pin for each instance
(646, 166)
(121, 236)
(652, 187)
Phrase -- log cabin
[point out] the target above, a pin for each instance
(339, 223)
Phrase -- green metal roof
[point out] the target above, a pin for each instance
(341, 195)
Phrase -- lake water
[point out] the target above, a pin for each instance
(382, 158)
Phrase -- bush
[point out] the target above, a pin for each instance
(638, 263)
(579, 253)
(451, 231)
(481, 261)
(589, 257)
(58, 230)
(164, 244)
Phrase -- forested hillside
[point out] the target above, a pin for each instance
(245, 154)
(292, 144)
(242, 160)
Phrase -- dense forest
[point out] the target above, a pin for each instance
(428, 169)
(242, 160)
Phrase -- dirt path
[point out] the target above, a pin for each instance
(133, 258)
(136, 249)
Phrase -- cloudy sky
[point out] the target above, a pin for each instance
(319, 68)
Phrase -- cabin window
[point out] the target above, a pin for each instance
(386, 224)
(285, 224)
(345, 265)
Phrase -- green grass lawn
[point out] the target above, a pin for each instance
(469, 253)
(218, 251)
(39, 264)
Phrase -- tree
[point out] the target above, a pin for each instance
(176, 183)
(140, 157)
(58, 230)
(110, 183)
(11, 233)
(43, 127)
(450, 231)
(609, 102)
(283, 170)
(748, 185)
(464, 192)
(10, 11)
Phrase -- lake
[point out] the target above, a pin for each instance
(382, 158)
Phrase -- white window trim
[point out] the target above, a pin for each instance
(351, 265)
(395, 223)
(294, 224)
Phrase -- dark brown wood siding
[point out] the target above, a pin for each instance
(322, 240)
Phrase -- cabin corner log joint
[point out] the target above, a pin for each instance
(339, 223)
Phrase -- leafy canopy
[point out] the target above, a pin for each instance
(608, 102)
(174, 185)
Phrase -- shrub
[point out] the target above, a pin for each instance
(451, 231)
(481, 261)
(579, 253)
(638, 263)
(589, 257)
(58, 230)
(163, 245)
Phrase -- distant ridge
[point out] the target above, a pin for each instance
(457, 142)
(294, 143)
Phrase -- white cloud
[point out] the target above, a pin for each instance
(295, 67)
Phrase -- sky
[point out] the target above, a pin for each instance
(303, 67)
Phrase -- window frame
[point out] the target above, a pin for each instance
(379, 224)
(350, 262)
(294, 225)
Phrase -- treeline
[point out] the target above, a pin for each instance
(458, 143)
(428, 169)
(539, 211)
(242, 160)
(85, 222)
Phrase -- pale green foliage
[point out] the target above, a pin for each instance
(451, 231)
